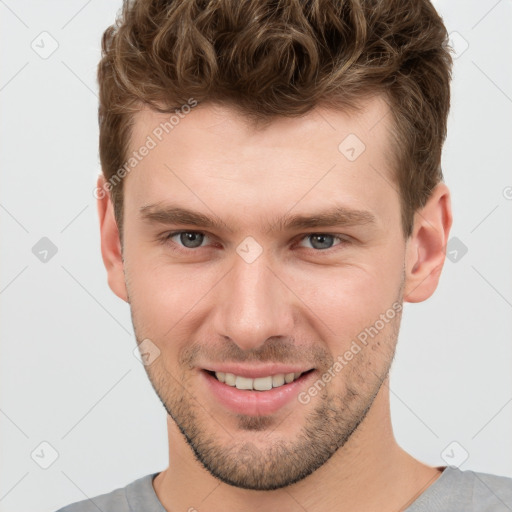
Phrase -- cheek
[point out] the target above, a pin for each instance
(161, 295)
(170, 301)
(348, 298)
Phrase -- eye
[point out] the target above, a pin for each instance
(322, 241)
(195, 239)
(188, 239)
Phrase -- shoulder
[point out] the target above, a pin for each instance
(114, 501)
(466, 491)
(118, 500)
(491, 492)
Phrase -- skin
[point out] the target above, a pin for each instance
(295, 303)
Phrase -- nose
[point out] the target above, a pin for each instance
(254, 304)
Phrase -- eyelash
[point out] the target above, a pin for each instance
(165, 239)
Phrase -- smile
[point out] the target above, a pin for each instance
(255, 395)
(257, 384)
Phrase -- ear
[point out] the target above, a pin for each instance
(426, 247)
(110, 241)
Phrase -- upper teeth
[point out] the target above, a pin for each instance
(259, 384)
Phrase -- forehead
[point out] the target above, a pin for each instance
(214, 154)
(371, 123)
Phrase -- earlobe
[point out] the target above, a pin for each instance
(110, 242)
(426, 248)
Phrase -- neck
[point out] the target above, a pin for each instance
(370, 472)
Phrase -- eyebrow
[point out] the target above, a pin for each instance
(337, 216)
(169, 214)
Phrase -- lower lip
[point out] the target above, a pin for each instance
(255, 403)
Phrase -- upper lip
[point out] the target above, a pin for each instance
(253, 372)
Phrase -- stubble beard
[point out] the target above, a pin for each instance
(281, 462)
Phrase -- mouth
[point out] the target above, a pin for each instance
(256, 395)
(265, 383)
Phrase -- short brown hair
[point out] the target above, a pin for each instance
(282, 58)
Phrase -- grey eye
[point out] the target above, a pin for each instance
(321, 241)
(190, 239)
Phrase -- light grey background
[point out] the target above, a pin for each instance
(68, 373)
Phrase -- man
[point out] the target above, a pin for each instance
(271, 195)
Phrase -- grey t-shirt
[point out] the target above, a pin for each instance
(453, 491)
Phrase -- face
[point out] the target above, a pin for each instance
(264, 253)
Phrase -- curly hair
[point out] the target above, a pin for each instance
(271, 58)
